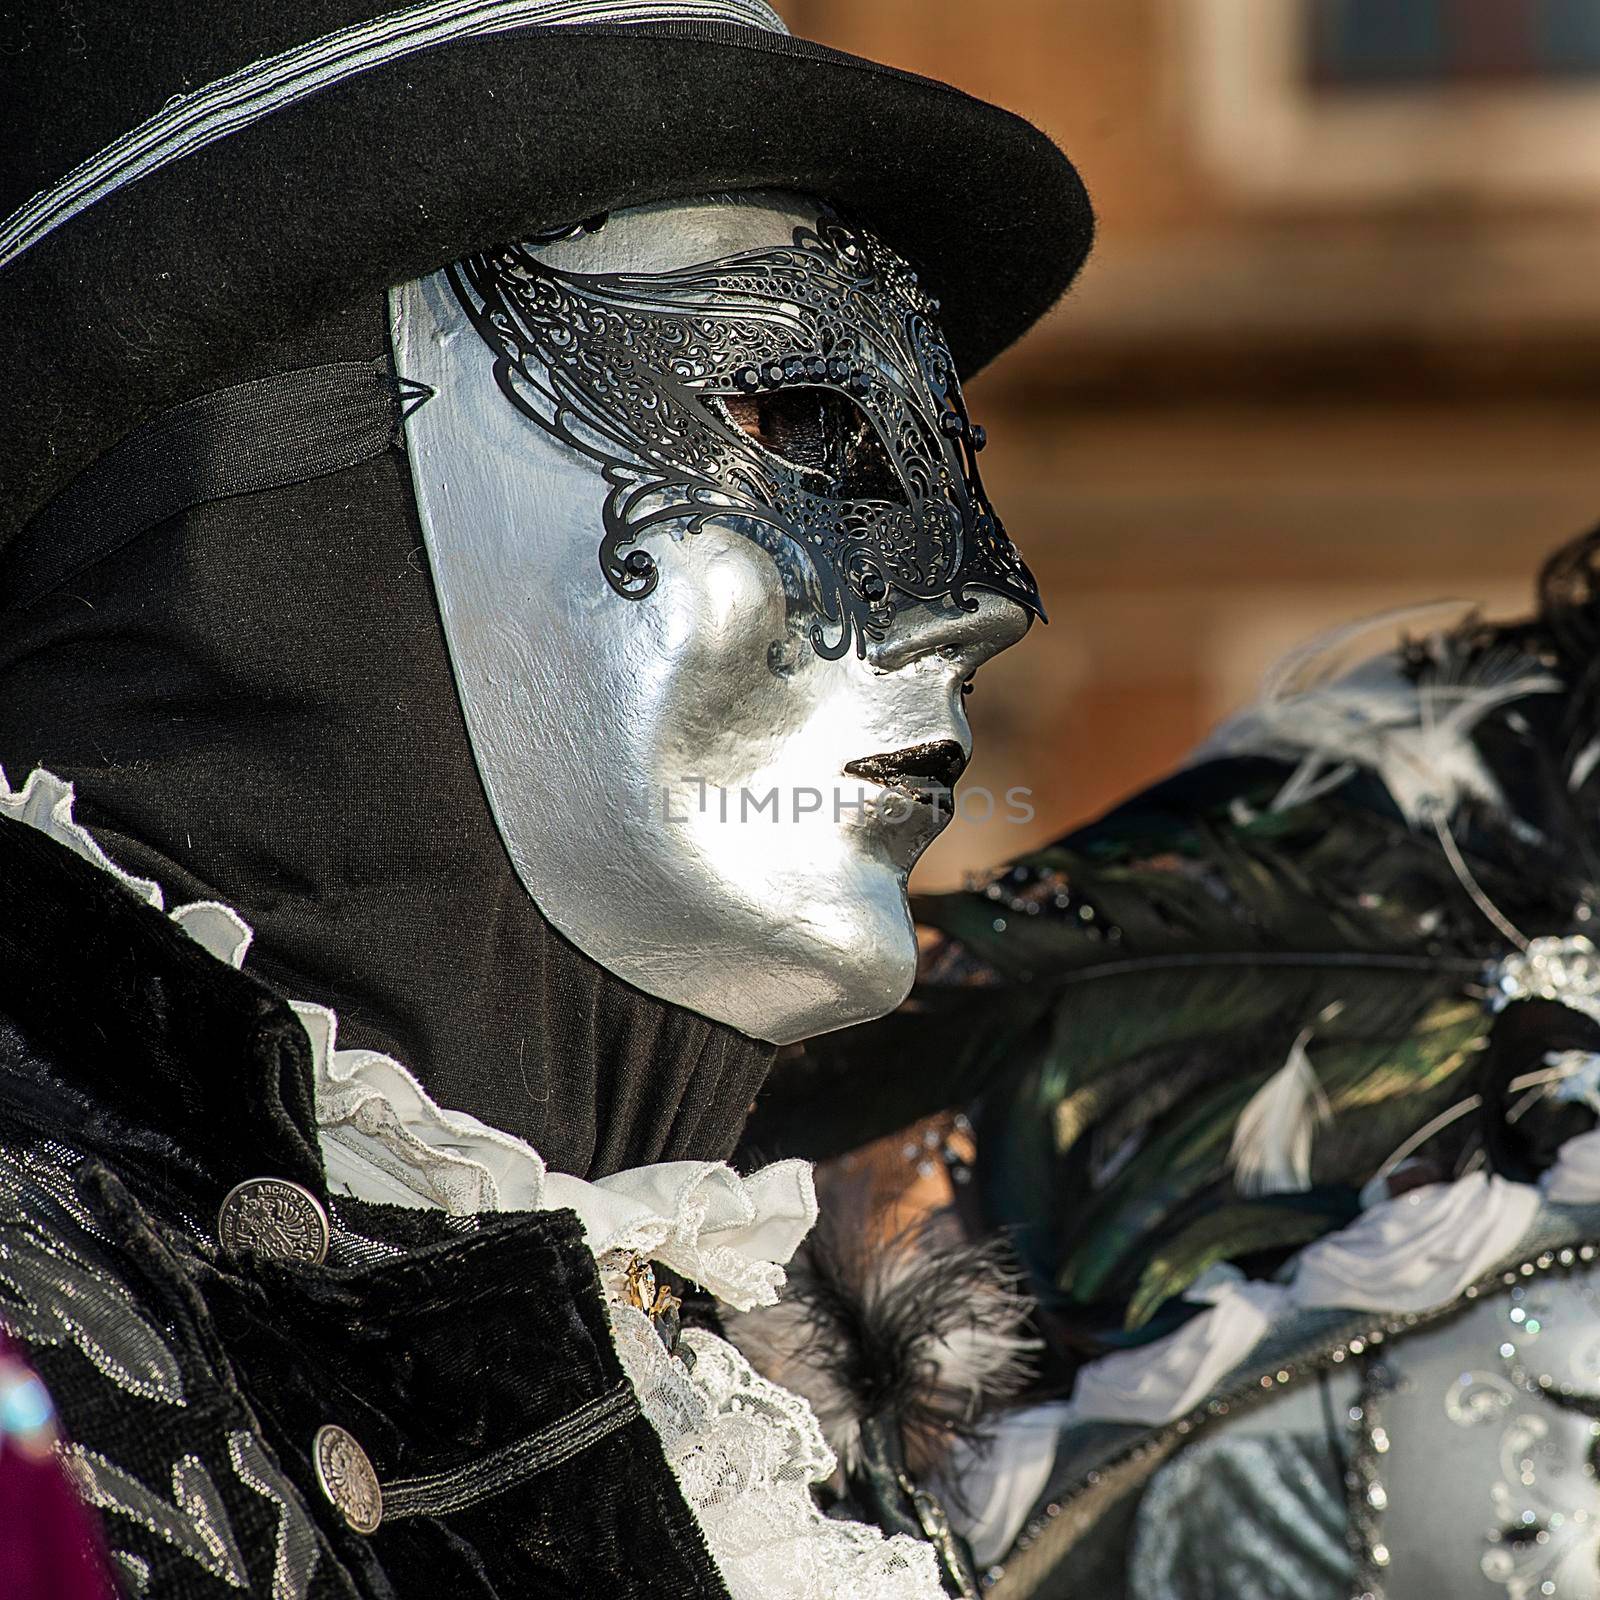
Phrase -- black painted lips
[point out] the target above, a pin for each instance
(925, 772)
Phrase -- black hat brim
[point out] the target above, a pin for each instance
(163, 288)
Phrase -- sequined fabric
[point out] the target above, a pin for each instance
(1244, 1519)
(1491, 1431)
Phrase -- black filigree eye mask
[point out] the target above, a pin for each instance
(804, 395)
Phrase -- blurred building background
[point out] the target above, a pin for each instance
(1338, 348)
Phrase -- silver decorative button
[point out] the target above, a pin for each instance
(276, 1217)
(347, 1478)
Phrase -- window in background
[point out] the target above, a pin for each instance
(1373, 42)
(1355, 43)
(1339, 102)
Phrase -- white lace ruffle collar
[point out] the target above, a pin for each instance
(383, 1138)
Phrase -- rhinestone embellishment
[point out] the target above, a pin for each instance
(276, 1217)
(346, 1477)
(1566, 970)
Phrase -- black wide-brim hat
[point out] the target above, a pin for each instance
(184, 183)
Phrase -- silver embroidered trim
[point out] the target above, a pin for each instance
(194, 1521)
(188, 123)
(1366, 1495)
(135, 1571)
(298, 1547)
(52, 1294)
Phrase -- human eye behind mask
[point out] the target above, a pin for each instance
(822, 434)
(806, 389)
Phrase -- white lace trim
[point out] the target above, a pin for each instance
(745, 1452)
(384, 1138)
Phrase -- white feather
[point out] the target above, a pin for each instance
(1583, 764)
(1579, 1077)
(1332, 655)
(1271, 1152)
(1416, 736)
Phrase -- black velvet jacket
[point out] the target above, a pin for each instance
(140, 1080)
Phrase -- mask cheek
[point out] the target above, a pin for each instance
(722, 606)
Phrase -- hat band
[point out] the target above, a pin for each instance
(268, 433)
(188, 123)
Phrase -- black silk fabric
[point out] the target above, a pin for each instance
(255, 704)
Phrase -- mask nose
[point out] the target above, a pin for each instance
(965, 638)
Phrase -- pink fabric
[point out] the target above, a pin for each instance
(49, 1545)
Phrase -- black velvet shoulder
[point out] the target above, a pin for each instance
(470, 1359)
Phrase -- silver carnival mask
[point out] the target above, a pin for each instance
(702, 508)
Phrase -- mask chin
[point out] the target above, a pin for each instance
(669, 768)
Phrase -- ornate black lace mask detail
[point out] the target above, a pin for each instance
(803, 395)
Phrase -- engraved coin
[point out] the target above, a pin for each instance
(347, 1478)
(276, 1217)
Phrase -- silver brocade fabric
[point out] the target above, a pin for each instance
(1471, 1449)
(57, 1290)
(1244, 1519)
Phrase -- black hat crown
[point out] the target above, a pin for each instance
(178, 191)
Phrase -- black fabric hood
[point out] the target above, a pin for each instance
(255, 704)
